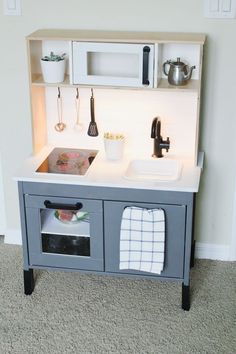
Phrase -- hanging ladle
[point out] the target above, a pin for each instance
(60, 126)
(78, 126)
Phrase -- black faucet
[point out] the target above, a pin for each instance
(159, 143)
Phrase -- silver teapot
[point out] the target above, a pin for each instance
(179, 73)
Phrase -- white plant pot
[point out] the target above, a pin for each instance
(53, 71)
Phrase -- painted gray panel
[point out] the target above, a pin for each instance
(109, 274)
(189, 239)
(23, 226)
(107, 193)
(33, 201)
(175, 237)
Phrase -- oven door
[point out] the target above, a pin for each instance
(64, 232)
(113, 64)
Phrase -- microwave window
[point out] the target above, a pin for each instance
(113, 64)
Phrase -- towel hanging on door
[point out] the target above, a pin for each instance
(142, 239)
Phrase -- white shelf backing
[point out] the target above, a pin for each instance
(38, 49)
(50, 225)
(188, 53)
(58, 47)
(130, 114)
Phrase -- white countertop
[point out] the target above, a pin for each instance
(106, 173)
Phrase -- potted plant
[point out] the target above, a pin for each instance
(53, 68)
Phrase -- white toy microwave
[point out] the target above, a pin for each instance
(114, 64)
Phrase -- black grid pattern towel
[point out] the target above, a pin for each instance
(142, 239)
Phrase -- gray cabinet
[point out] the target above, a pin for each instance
(174, 237)
(92, 244)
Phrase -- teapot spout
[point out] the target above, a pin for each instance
(189, 74)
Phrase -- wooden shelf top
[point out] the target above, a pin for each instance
(117, 36)
(37, 80)
(191, 86)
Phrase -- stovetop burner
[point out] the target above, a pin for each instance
(68, 161)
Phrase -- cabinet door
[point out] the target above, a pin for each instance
(174, 237)
(115, 64)
(65, 232)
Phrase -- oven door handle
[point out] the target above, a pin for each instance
(50, 205)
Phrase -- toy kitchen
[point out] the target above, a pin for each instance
(111, 185)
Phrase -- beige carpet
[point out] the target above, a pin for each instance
(74, 313)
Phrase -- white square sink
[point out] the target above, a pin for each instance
(161, 169)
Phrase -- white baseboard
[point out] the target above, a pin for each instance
(2, 231)
(13, 236)
(233, 237)
(212, 251)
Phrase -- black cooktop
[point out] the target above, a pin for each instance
(68, 161)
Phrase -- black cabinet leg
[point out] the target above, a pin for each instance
(28, 281)
(192, 254)
(185, 297)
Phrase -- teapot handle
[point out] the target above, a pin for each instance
(164, 67)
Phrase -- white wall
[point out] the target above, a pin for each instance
(2, 203)
(218, 123)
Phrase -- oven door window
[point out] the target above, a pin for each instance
(65, 232)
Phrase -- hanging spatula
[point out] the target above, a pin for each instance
(92, 129)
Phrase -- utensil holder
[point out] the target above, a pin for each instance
(114, 148)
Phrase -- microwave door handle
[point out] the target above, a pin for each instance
(146, 51)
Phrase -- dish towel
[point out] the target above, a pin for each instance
(142, 239)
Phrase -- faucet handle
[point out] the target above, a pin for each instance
(168, 144)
